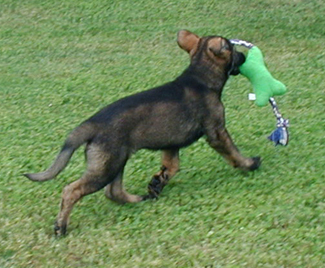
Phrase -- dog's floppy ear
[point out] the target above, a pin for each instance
(187, 41)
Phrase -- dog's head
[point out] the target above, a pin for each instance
(215, 51)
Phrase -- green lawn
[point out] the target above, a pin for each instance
(60, 61)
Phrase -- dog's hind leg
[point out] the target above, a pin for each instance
(115, 192)
(170, 166)
(72, 193)
(102, 169)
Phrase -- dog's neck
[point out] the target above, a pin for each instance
(212, 79)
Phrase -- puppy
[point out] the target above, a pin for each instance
(167, 118)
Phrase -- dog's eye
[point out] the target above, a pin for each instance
(227, 45)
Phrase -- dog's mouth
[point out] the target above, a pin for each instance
(237, 60)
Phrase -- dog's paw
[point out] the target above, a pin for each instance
(256, 163)
(59, 231)
(149, 197)
(157, 184)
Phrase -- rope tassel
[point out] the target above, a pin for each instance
(281, 134)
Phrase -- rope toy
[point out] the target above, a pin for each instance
(265, 87)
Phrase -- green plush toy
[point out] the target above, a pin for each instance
(264, 85)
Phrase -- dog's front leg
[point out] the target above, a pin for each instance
(170, 166)
(220, 140)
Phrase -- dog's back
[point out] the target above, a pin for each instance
(165, 117)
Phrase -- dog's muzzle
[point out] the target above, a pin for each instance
(237, 60)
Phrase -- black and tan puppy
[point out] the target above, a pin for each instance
(164, 118)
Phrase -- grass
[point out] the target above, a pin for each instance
(62, 61)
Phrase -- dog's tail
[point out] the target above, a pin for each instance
(77, 137)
